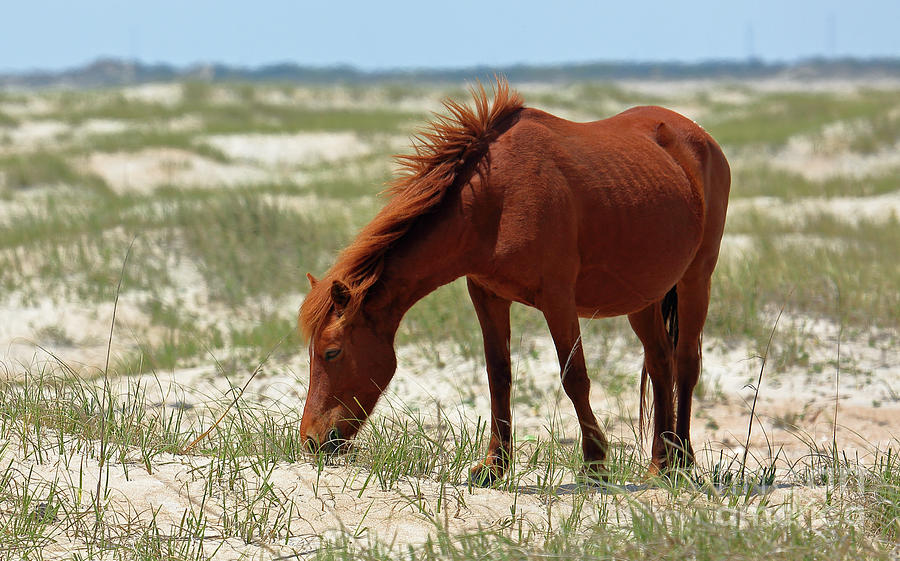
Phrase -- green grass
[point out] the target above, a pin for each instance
(51, 413)
(7, 120)
(246, 115)
(766, 181)
(703, 534)
(842, 271)
(881, 132)
(348, 188)
(233, 237)
(880, 488)
(247, 251)
(134, 141)
(773, 118)
(592, 98)
(245, 246)
(43, 169)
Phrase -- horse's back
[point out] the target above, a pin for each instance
(621, 200)
(631, 145)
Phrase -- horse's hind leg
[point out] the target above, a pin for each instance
(693, 303)
(562, 319)
(493, 315)
(659, 354)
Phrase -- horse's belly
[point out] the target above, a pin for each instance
(623, 273)
(605, 295)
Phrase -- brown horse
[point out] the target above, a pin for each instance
(618, 216)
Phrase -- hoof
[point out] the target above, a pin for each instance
(484, 475)
(670, 470)
(656, 471)
(668, 463)
(594, 473)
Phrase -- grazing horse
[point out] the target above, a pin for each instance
(618, 216)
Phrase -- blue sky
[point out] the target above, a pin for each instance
(58, 34)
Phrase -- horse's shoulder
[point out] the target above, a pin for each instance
(533, 133)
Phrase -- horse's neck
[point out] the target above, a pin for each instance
(430, 255)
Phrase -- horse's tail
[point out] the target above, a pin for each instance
(669, 309)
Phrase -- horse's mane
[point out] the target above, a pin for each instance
(446, 153)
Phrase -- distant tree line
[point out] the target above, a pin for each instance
(114, 72)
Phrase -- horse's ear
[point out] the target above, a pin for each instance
(340, 295)
(312, 280)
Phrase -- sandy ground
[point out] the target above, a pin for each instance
(253, 159)
(35, 332)
(153, 167)
(854, 210)
(31, 135)
(332, 502)
(795, 411)
(807, 157)
(279, 150)
(326, 504)
(343, 98)
(162, 93)
(786, 83)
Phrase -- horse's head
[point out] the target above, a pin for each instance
(350, 365)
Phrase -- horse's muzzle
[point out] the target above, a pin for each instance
(334, 443)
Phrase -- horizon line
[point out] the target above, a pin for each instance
(346, 66)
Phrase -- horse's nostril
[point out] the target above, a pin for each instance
(334, 436)
(333, 442)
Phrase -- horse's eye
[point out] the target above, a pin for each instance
(332, 354)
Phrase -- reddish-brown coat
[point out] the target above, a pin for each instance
(576, 219)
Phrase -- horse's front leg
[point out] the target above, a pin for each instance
(493, 315)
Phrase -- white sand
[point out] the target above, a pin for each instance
(38, 331)
(823, 158)
(293, 150)
(796, 403)
(31, 106)
(30, 135)
(880, 208)
(167, 94)
(147, 169)
(423, 100)
(794, 408)
(103, 126)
